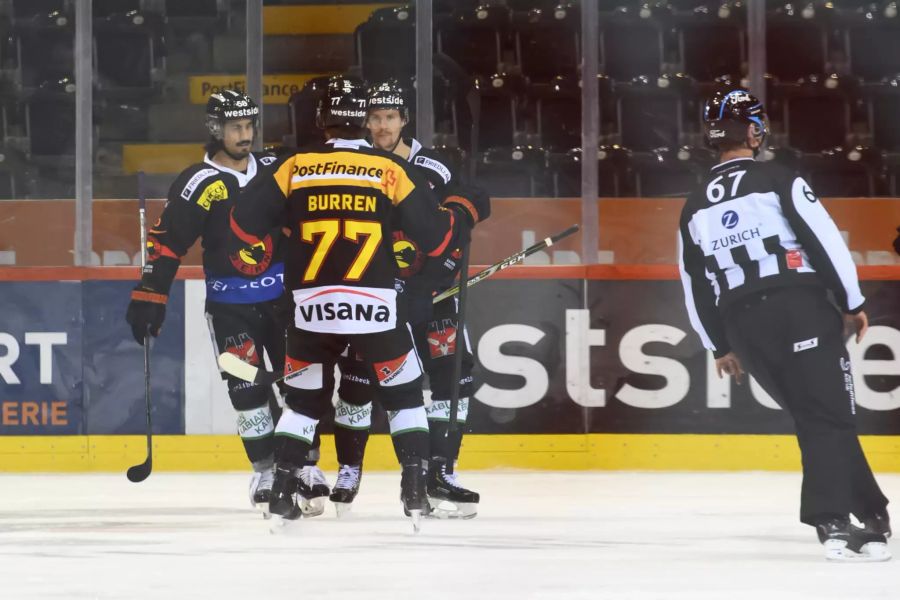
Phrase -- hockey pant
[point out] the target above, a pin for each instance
(437, 341)
(389, 359)
(791, 341)
(248, 330)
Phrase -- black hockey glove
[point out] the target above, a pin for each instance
(897, 242)
(470, 201)
(146, 312)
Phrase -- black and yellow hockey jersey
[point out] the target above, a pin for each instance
(238, 271)
(340, 201)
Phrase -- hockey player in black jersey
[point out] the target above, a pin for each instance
(434, 330)
(340, 200)
(244, 274)
(766, 277)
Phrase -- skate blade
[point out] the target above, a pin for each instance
(415, 515)
(342, 509)
(837, 551)
(312, 507)
(444, 509)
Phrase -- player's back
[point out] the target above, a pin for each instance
(737, 219)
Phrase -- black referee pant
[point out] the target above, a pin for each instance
(791, 340)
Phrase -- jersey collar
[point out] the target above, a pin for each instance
(342, 143)
(731, 162)
(243, 178)
(414, 147)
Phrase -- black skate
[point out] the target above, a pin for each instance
(846, 543)
(345, 488)
(260, 490)
(282, 497)
(448, 499)
(312, 490)
(878, 523)
(414, 492)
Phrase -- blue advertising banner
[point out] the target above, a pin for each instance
(41, 385)
(69, 364)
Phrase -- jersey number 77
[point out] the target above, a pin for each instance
(324, 232)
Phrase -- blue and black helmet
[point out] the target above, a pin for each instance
(727, 115)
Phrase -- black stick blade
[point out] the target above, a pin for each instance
(138, 473)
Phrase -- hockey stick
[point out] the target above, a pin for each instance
(506, 262)
(140, 472)
(235, 367)
(460, 348)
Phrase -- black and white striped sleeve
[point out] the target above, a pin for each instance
(822, 240)
(699, 295)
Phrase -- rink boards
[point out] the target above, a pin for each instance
(578, 368)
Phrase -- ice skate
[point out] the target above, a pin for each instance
(260, 490)
(447, 498)
(312, 490)
(282, 497)
(878, 523)
(345, 488)
(414, 492)
(847, 543)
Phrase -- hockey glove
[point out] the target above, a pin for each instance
(146, 312)
(897, 242)
(470, 201)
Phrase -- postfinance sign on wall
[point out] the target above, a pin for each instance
(277, 89)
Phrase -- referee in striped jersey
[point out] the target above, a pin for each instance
(766, 278)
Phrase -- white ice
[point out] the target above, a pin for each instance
(723, 536)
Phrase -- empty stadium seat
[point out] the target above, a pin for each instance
(476, 38)
(105, 8)
(50, 119)
(45, 48)
(512, 172)
(817, 111)
(631, 44)
(873, 42)
(192, 8)
(651, 111)
(26, 9)
(558, 110)
(613, 172)
(499, 100)
(711, 42)
(884, 114)
(547, 42)
(126, 50)
(670, 172)
(796, 42)
(843, 172)
(386, 44)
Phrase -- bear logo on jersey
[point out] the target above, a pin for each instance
(407, 254)
(253, 259)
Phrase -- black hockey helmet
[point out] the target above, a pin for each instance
(229, 105)
(343, 104)
(726, 116)
(388, 94)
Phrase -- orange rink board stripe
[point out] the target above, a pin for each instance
(592, 272)
(567, 452)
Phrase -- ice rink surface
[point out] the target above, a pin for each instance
(722, 536)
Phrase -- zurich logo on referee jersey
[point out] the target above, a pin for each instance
(730, 219)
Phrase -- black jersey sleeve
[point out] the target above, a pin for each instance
(822, 241)
(440, 176)
(699, 295)
(181, 223)
(260, 207)
(432, 227)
